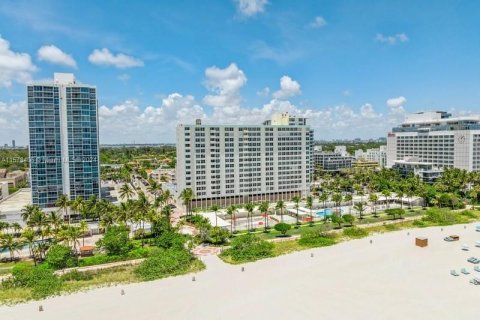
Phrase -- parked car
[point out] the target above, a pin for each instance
(452, 238)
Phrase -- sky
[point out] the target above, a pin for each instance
(353, 68)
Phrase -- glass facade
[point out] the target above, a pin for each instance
(64, 149)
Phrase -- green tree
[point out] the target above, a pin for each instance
(337, 219)
(373, 198)
(349, 218)
(296, 200)
(283, 228)
(63, 203)
(11, 244)
(309, 202)
(250, 207)
(218, 235)
(214, 208)
(231, 210)
(126, 191)
(263, 207)
(280, 206)
(115, 241)
(360, 208)
(187, 197)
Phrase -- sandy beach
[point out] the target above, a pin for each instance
(388, 279)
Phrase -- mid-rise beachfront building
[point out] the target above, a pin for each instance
(234, 164)
(437, 138)
(63, 134)
(332, 161)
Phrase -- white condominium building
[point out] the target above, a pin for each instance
(437, 138)
(234, 164)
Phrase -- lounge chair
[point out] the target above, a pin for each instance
(465, 247)
(476, 268)
(454, 273)
(464, 271)
(475, 282)
(477, 243)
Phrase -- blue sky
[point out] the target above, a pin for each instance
(353, 67)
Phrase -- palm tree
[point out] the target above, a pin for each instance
(215, 209)
(28, 211)
(55, 220)
(10, 243)
(153, 188)
(63, 203)
(231, 209)
(125, 191)
(400, 195)
(296, 200)
(143, 207)
(323, 198)
(187, 196)
(71, 234)
(92, 207)
(310, 206)
(29, 236)
(167, 212)
(360, 208)
(77, 206)
(249, 207)
(263, 207)
(348, 199)
(373, 198)
(337, 199)
(83, 230)
(386, 193)
(280, 206)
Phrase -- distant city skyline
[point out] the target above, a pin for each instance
(157, 64)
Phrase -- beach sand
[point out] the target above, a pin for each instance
(388, 279)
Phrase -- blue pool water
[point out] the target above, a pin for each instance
(324, 212)
(327, 211)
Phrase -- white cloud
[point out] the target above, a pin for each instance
(224, 86)
(346, 93)
(53, 54)
(288, 88)
(282, 55)
(396, 102)
(392, 39)
(249, 8)
(265, 92)
(127, 122)
(105, 58)
(396, 105)
(318, 22)
(368, 112)
(14, 66)
(13, 122)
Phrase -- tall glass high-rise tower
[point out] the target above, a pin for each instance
(63, 130)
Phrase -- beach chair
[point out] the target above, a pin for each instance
(477, 228)
(464, 271)
(477, 243)
(454, 273)
(476, 268)
(475, 282)
(465, 247)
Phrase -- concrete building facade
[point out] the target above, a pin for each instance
(63, 134)
(234, 164)
(437, 138)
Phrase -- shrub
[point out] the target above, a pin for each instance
(99, 259)
(249, 247)
(355, 233)
(395, 212)
(60, 257)
(218, 235)
(440, 216)
(282, 228)
(40, 279)
(170, 239)
(316, 238)
(164, 262)
(349, 218)
(115, 241)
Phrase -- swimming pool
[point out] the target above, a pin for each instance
(327, 212)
